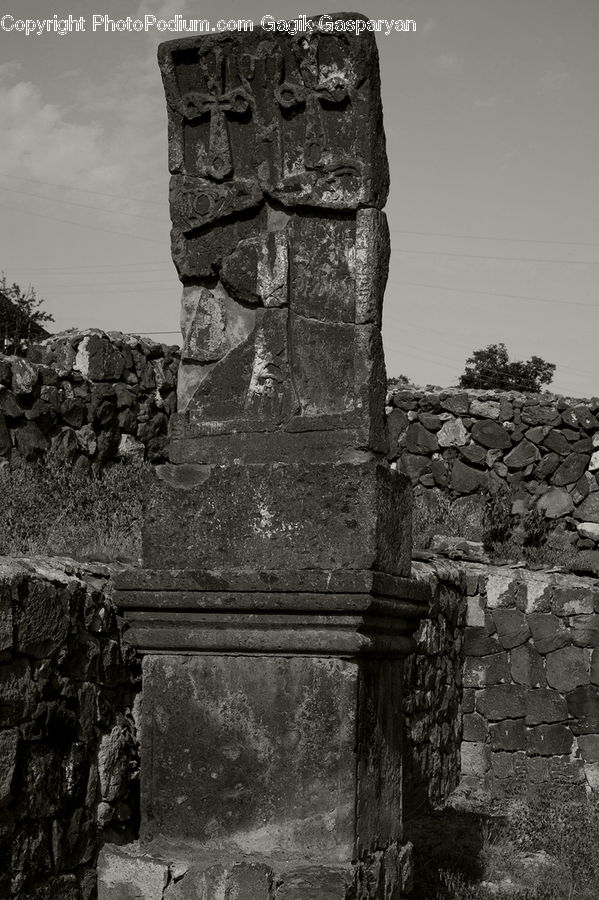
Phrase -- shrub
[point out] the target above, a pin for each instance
(48, 510)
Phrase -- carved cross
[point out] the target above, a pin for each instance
(313, 92)
(215, 102)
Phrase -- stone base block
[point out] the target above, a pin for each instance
(126, 873)
(354, 515)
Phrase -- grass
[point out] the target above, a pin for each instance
(546, 848)
(489, 520)
(436, 513)
(49, 511)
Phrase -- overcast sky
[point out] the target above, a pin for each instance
(491, 119)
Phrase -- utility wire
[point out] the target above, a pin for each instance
(139, 237)
(72, 187)
(483, 237)
(115, 212)
(573, 262)
(442, 287)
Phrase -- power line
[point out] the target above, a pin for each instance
(139, 265)
(74, 203)
(72, 187)
(443, 334)
(573, 262)
(482, 237)
(442, 287)
(139, 237)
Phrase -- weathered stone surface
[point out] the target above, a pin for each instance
(573, 600)
(589, 530)
(452, 434)
(540, 415)
(489, 409)
(549, 740)
(585, 630)
(294, 515)
(570, 469)
(524, 454)
(24, 376)
(526, 665)
(583, 706)
(244, 738)
(124, 873)
(548, 632)
(504, 701)
(477, 641)
(481, 671)
(545, 706)
(476, 758)
(9, 743)
(41, 620)
(474, 727)
(567, 668)
(512, 627)
(588, 511)
(580, 417)
(491, 434)
(556, 442)
(555, 502)
(588, 744)
(5, 441)
(464, 479)
(98, 359)
(419, 440)
(508, 735)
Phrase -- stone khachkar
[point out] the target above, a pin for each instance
(276, 605)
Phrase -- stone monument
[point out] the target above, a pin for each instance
(275, 604)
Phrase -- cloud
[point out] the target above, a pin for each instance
(9, 70)
(486, 102)
(553, 81)
(449, 63)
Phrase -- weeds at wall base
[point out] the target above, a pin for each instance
(46, 509)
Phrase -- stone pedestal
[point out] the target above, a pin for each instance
(275, 607)
(271, 734)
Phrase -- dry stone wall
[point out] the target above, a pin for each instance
(68, 754)
(530, 678)
(433, 689)
(89, 398)
(543, 448)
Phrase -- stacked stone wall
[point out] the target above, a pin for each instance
(68, 754)
(530, 699)
(433, 690)
(542, 448)
(89, 398)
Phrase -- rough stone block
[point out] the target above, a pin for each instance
(545, 706)
(9, 743)
(512, 627)
(548, 632)
(41, 619)
(485, 670)
(567, 668)
(549, 740)
(475, 758)
(526, 665)
(508, 735)
(476, 640)
(474, 727)
(508, 765)
(572, 601)
(297, 516)
(125, 873)
(583, 706)
(585, 631)
(501, 590)
(502, 701)
(588, 744)
(475, 615)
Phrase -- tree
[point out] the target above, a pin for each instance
(21, 318)
(491, 369)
